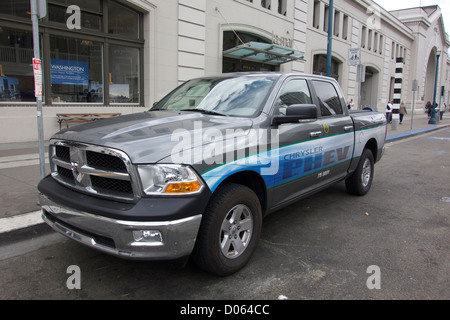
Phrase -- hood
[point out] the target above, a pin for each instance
(149, 136)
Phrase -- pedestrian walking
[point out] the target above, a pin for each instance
(444, 110)
(402, 111)
(351, 105)
(388, 111)
(428, 109)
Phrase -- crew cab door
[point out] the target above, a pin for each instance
(338, 135)
(312, 152)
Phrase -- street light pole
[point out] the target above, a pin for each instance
(35, 23)
(433, 110)
(330, 38)
(414, 89)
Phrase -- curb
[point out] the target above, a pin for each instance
(20, 221)
(22, 226)
(408, 134)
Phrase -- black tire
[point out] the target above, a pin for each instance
(230, 230)
(360, 181)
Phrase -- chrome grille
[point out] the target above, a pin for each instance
(98, 170)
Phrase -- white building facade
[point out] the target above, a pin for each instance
(122, 56)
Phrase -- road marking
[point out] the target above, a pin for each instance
(439, 138)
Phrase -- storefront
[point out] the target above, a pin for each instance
(95, 62)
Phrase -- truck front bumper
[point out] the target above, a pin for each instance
(160, 240)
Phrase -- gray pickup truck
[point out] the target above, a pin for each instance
(195, 175)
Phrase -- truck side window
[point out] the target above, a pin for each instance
(293, 92)
(329, 101)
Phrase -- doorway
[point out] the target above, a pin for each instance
(233, 39)
(369, 88)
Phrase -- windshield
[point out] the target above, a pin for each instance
(242, 96)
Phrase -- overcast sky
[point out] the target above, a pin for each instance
(403, 4)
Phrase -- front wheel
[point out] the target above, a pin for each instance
(229, 231)
(360, 181)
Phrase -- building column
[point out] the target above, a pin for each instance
(191, 39)
(397, 92)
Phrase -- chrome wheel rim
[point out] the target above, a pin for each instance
(366, 173)
(236, 231)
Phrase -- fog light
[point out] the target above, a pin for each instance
(147, 236)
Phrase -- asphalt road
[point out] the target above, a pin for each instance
(328, 246)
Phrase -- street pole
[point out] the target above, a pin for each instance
(438, 118)
(330, 38)
(40, 126)
(433, 111)
(414, 89)
(359, 77)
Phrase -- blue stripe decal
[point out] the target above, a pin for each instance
(282, 165)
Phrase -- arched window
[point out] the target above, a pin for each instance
(320, 66)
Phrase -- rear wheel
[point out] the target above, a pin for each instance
(229, 231)
(360, 181)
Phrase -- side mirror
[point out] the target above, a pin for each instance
(297, 112)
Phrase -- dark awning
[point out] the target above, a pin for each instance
(264, 53)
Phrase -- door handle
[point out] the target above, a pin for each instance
(348, 128)
(315, 134)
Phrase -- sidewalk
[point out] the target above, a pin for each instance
(419, 125)
(19, 173)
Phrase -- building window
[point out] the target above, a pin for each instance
(91, 16)
(98, 63)
(16, 73)
(320, 66)
(123, 21)
(337, 23)
(18, 8)
(316, 14)
(282, 4)
(363, 36)
(325, 17)
(345, 27)
(76, 71)
(123, 74)
(375, 42)
(381, 43)
(393, 50)
(265, 4)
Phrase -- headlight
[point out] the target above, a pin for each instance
(169, 179)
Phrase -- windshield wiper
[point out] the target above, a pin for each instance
(206, 112)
